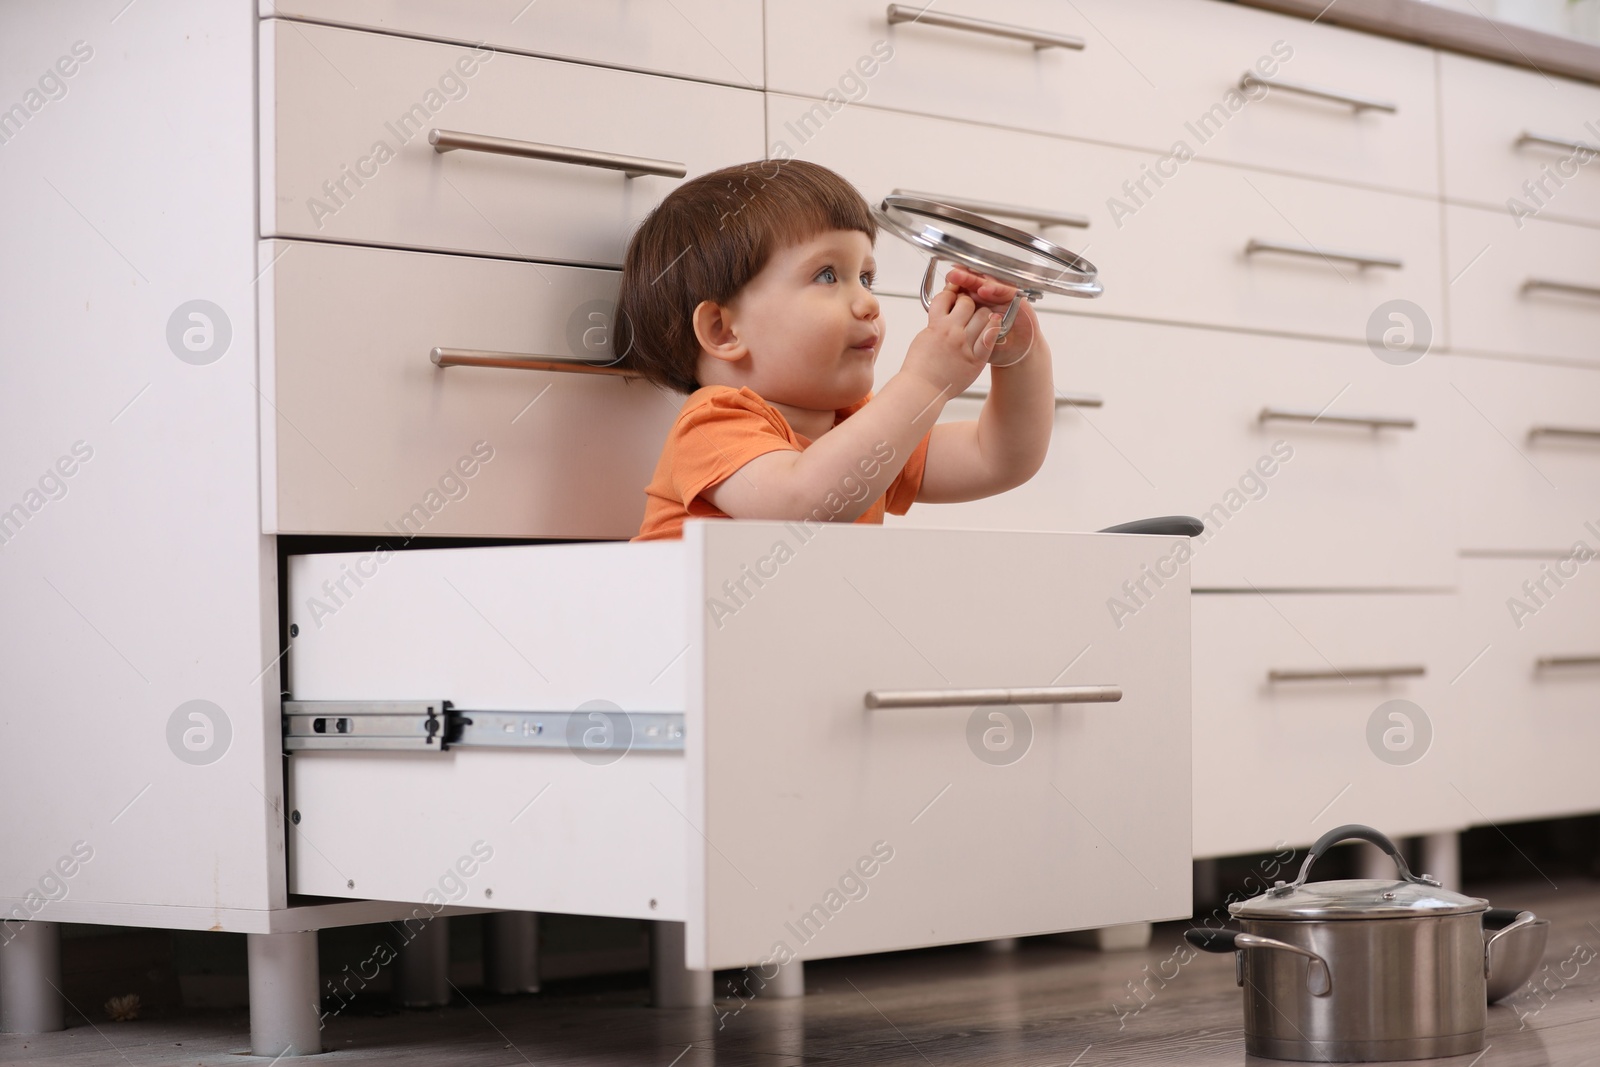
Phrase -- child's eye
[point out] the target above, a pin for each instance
(826, 275)
(866, 278)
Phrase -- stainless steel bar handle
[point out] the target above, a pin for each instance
(1319, 982)
(1063, 400)
(1377, 422)
(1409, 671)
(966, 698)
(473, 357)
(1038, 38)
(1550, 286)
(1360, 259)
(1249, 80)
(1555, 142)
(1042, 216)
(1544, 662)
(631, 166)
(1575, 432)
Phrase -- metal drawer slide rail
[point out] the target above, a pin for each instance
(438, 726)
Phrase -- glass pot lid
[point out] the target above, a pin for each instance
(1408, 896)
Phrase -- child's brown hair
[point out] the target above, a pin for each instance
(706, 240)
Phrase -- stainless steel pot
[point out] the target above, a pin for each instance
(1363, 969)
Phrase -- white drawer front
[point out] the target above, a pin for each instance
(1488, 111)
(346, 117)
(787, 782)
(1493, 308)
(1535, 728)
(1280, 762)
(1152, 73)
(1517, 485)
(363, 434)
(1176, 254)
(695, 38)
(1178, 430)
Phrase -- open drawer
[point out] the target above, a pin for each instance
(761, 800)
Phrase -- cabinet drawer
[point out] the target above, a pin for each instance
(1518, 485)
(1281, 761)
(785, 779)
(1507, 293)
(363, 434)
(698, 39)
(1172, 425)
(1535, 726)
(1489, 110)
(346, 118)
(1151, 73)
(1176, 254)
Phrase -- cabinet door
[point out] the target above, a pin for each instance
(1162, 420)
(1175, 241)
(1295, 729)
(1533, 625)
(1001, 821)
(364, 434)
(347, 116)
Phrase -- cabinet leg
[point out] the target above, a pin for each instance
(672, 985)
(1373, 862)
(1441, 858)
(511, 952)
(1000, 945)
(1114, 938)
(285, 1005)
(30, 977)
(790, 981)
(422, 973)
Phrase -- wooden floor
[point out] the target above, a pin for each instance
(1044, 1005)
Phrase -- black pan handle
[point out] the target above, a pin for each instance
(1355, 832)
(1161, 525)
(1212, 940)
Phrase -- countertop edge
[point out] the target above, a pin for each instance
(1455, 31)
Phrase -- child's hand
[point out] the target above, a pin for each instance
(957, 343)
(996, 296)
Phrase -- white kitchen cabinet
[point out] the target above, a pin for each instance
(1292, 711)
(345, 155)
(1182, 253)
(1129, 84)
(1527, 452)
(766, 638)
(1502, 130)
(364, 434)
(1531, 626)
(700, 39)
(1526, 287)
(1295, 500)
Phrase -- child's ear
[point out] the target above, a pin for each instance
(713, 328)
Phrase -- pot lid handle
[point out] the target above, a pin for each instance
(1352, 832)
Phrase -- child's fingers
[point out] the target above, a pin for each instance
(982, 332)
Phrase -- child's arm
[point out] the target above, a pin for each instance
(1007, 444)
(871, 447)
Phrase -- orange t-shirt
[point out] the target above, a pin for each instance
(719, 430)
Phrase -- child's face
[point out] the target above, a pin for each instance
(811, 323)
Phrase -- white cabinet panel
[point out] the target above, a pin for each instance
(1175, 252)
(363, 434)
(1517, 484)
(1151, 74)
(1280, 762)
(1178, 430)
(700, 39)
(1493, 308)
(1486, 109)
(1535, 728)
(346, 118)
(1077, 812)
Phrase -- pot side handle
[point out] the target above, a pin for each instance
(1523, 919)
(1319, 980)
